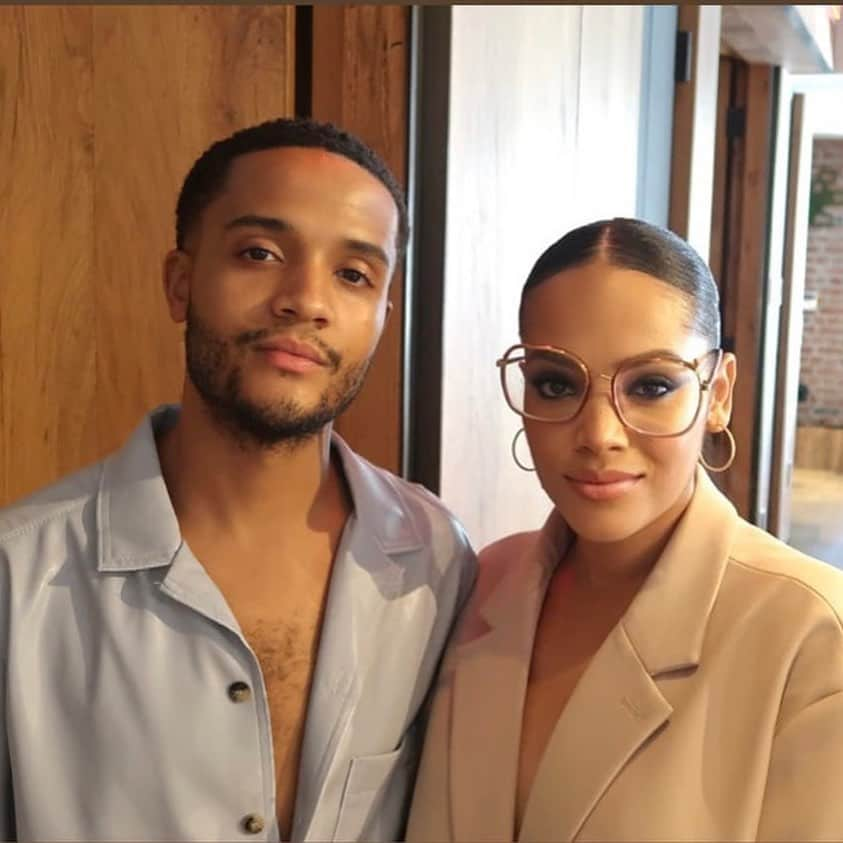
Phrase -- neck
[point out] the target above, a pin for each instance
(628, 562)
(248, 492)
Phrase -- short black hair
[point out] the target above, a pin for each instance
(635, 244)
(207, 176)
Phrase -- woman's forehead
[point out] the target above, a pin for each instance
(605, 313)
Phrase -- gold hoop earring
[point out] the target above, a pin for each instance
(515, 453)
(733, 450)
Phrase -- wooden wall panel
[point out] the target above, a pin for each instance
(721, 172)
(739, 249)
(104, 108)
(47, 346)
(745, 287)
(694, 122)
(523, 168)
(609, 103)
(361, 58)
(192, 74)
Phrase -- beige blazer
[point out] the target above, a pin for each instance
(713, 711)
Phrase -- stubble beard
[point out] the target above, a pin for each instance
(282, 424)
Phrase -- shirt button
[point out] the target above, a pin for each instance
(253, 823)
(239, 692)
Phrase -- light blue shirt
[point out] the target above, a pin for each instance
(118, 653)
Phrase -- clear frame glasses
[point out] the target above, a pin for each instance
(656, 394)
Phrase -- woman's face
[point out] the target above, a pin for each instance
(605, 315)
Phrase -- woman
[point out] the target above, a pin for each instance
(648, 666)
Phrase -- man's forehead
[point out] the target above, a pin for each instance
(301, 164)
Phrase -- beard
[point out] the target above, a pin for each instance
(282, 423)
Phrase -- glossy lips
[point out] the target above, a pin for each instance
(603, 485)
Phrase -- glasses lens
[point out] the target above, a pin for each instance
(546, 385)
(660, 397)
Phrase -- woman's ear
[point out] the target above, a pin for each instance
(177, 272)
(722, 389)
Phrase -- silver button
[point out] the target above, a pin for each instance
(253, 823)
(239, 692)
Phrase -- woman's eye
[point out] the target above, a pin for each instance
(652, 388)
(553, 388)
(258, 254)
(354, 276)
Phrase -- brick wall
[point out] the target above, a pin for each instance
(822, 345)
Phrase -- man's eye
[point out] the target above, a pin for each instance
(354, 277)
(258, 254)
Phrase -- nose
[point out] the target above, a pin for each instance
(303, 294)
(599, 427)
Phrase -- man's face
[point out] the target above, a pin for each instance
(284, 291)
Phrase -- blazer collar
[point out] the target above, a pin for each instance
(662, 630)
(666, 621)
(138, 529)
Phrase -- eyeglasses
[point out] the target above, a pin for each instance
(657, 395)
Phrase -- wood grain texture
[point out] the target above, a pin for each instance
(721, 169)
(819, 448)
(360, 82)
(746, 285)
(694, 123)
(191, 75)
(48, 391)
(103, 111)
(528, 161)
(739, 240)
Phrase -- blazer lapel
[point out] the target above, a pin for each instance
(614, 709)
(491, 671)
(617, 706)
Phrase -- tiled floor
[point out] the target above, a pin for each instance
(817, 514)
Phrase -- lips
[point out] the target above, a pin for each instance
(295, 348)
(288, 355)
(603, 485)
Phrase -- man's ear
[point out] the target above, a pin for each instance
(722, 391)
(177, 274)
(389, 308)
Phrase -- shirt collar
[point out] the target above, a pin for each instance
(137, 527)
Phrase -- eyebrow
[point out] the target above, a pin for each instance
(255, 221)
(369, 249)
(278, 226)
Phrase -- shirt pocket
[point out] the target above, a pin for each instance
(376, 794)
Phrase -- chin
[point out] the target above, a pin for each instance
(600, 522)
(603, 531)
(280, 393)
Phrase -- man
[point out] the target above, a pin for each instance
(227, 630)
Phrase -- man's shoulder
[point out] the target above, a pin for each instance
(51, 506)
(416, 499)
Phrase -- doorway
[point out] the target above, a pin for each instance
(806, 474)
(817, 490)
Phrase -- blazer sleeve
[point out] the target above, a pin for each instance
(7, 808)
(802, 800)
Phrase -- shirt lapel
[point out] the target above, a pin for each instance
(368, 576)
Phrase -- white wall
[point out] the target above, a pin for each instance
(543, 136)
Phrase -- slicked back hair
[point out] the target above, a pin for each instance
(637, 245)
